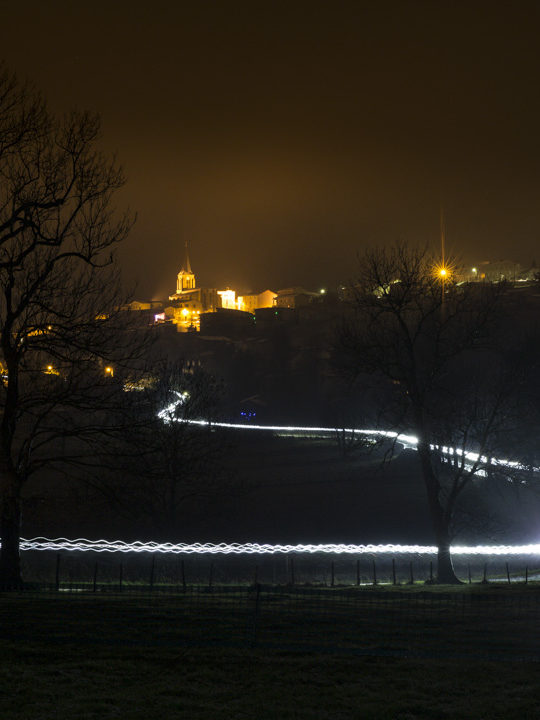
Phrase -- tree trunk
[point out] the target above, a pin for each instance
(445, 566)
(10, 530)
(441, 523)
(10, 485)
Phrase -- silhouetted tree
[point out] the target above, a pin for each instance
(59, 293)
(435, 353)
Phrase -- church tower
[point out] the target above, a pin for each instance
(185, 279)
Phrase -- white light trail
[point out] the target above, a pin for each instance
(408, 441)
(119, 546)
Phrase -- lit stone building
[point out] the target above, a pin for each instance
(264, 299)
(189, 301)
(247, 303)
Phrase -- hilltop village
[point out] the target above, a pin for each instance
(273, 349)
(194, 308)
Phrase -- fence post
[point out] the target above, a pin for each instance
(120, 576)
(394, 572)
(431, 572)
(374, 572)
(57, 576)
(256, 614)
(95, 578)
(358, 572)
(332, 574)
(470, 579)
(152, 570)
(526, 574)
(508, 573)
(292, 570)
(411, 581)
(484, 580)
(183, 570)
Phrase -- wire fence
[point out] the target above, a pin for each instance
(191, 605)
(173, 573)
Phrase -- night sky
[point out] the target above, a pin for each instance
(279, 139)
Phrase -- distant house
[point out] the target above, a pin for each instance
(294, 297)
(250, 303)
(498, 270)
(138, 306)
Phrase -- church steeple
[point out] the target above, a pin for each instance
(185, 279)
(186, 266)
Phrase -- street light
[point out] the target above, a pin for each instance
(442, 271)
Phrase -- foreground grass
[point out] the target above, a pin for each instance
(95, 657)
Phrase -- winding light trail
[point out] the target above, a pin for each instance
(169, 414)
(119, 546)
(408, 441)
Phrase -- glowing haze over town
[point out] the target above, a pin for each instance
(279, 139)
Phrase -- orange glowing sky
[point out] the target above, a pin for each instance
(279, 138)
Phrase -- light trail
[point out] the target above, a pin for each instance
(407, 440)
(168, 414)
(119, 546)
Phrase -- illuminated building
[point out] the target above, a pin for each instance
(247, 303)
(265, 299)
(189, 301)
(185, 279)
(229, 300)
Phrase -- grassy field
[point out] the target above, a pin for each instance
(218, 656)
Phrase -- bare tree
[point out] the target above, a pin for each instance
(169, 459)
(59, 292)
(444, 376)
